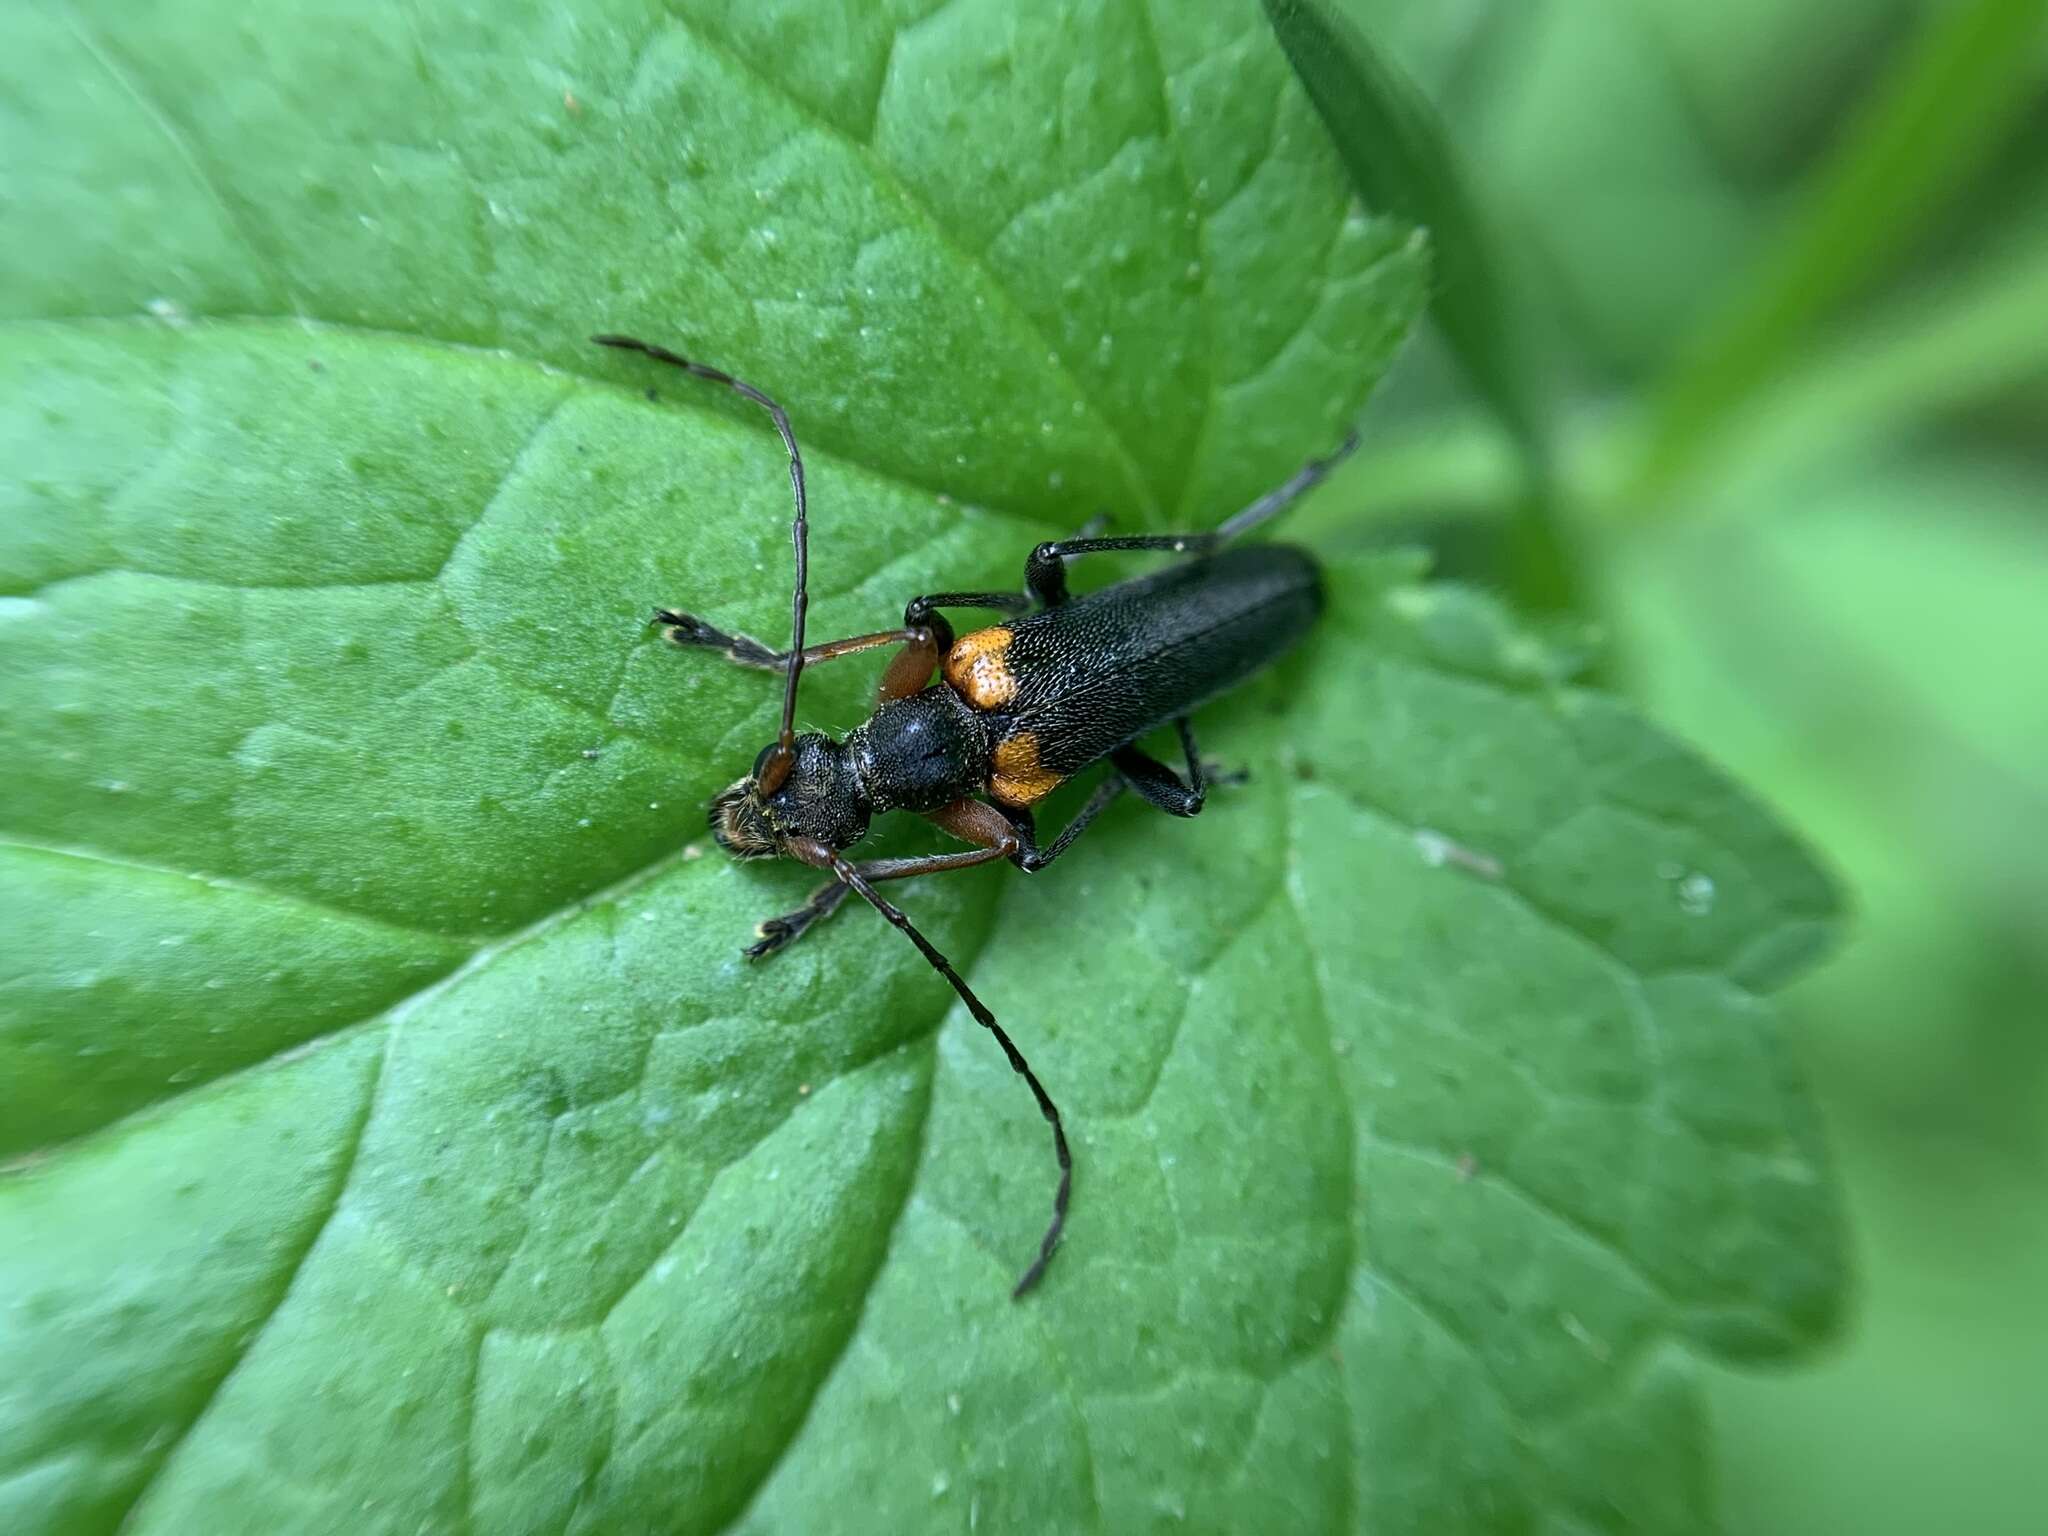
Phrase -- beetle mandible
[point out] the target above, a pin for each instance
(1020, 707)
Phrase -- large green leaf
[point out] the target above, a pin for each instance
(399, 1141)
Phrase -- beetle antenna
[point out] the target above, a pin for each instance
(799, 533)
(851, 876)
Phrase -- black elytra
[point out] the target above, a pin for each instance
(1019, 708)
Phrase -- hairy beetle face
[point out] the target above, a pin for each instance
(820, 801)
(740, 822)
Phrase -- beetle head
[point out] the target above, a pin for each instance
(819, 801)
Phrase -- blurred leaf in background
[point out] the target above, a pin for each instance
(1796, 257)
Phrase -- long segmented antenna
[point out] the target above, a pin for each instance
(852, 877)
(778, 770)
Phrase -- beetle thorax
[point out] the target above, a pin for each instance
(920, 753)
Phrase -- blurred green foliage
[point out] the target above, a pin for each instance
(1790, 268)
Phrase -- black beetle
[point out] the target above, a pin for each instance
(1019, 708)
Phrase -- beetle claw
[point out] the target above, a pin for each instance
(774, 934)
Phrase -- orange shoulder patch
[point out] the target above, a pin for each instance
(1017, 779)
(978, 668)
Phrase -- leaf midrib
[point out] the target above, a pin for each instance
(507, 357)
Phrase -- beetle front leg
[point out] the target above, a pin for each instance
(924, 637)
(778, 932)
(688, 629)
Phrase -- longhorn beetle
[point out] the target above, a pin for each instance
(1020, 707)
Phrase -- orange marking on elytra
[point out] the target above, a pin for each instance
(1018, 780)
(978, 667)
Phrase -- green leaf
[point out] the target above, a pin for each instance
(398, 1140)
(1401, 159)
(1579, 139)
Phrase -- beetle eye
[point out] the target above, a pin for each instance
(771, 768)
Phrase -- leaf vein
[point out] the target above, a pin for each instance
(1189, 462)
(830, 1368)
(12, 841)
(1320, 982)
(1004, 295)
(1573, 1227)
(503, 356)
(181, 142)
(240, 1356)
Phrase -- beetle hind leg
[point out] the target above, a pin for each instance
(1045, 572)
(1158, 785)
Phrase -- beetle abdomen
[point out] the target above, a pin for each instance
(1072, 684)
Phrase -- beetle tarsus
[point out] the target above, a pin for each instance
(775, 935)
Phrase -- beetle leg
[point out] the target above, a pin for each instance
(1036, 859)
(931, 637)
(1045, 572)
(911, 668)
(925, 636)
(976, 821)
(919, 610)
(688, 629)
(1013, 834)
(779, 932)
(1281, 497)
(1159, 785)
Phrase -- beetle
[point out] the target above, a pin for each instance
(1020, 707)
